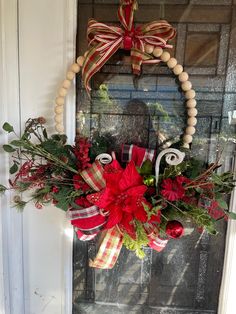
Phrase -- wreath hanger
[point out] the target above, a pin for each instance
(146, 43)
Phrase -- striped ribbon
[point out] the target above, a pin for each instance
(137, 154)
(109, 250)
(104, 40)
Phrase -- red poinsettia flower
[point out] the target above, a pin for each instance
(172, 189)
(123, 196)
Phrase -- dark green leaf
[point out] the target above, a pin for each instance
(45, 133)
(13, 169)
(16, 143)
(146, 167)
(2, 189)
(8, 148)
(7, 127)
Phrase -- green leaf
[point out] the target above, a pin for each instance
(13, 168)
(231, 215)
(45, 134)
(146, 167)
(7, 127)
(8, 148)
(2, 189)
(16, 143)
(222, 203)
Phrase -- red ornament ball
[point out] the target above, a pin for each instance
(174, 229)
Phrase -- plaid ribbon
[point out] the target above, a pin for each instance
(93, 176)
(104, 40)
(109, 250)
(137, 154)
(88, 220)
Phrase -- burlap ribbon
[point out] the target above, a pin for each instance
(104, 40)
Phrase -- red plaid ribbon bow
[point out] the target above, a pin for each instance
(104, 40)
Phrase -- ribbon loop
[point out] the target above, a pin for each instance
(104, 40)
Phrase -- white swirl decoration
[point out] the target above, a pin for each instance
(104, 159)
(174, 157)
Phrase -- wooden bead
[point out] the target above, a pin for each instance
(186, 86)
(157, 52)
(66, 84)
(192, 112)
(60, 101)
(58, 118)
(183, 77)
(149, 49)
(70, 75)
(192, 121)
(75, 68)
(58, 109)
(185, 145)
(165, 56)
(80, 61)
(190, 130)
(59, 128)
(62, 92)
(172, 63)
(190, 94)
(187, 139)
(178, 69)
(191, 103)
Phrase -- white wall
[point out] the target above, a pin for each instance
(37, 41)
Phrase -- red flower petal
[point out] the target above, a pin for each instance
(130, 177)
(114, 217)
(127, 224)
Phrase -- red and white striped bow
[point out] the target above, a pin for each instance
(104, 40)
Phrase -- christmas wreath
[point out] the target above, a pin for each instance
(135, 199)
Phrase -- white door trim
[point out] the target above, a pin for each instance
(11, 223)
(228, 285)
(12, 296)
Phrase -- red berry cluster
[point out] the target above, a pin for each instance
(81, 151)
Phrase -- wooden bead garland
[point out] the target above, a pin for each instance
(157, 52)
(62, 92)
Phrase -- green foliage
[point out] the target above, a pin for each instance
(151, 211)
(20, 205)
(202, 219)
(8, 148)
(7, 127)
(2, 189)
(137, 244)
(224, 183)
(146, 168)
(23, 185)
(13, 169)
(173, 171)
(231, 215)
(104, 95)
(194, 169)
(63, 198)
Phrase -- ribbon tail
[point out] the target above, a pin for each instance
(109, 250)
(137, 58)
(95, 60)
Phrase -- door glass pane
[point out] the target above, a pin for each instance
(186, 276)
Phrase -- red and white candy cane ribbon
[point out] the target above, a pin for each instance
(104, 40)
